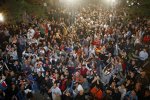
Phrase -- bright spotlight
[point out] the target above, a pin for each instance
(110, 1)
(1, 17)
(70, 2)
(113, 1)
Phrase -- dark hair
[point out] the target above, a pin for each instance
(29, 95)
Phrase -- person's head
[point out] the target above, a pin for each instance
(144, 50)
(128, 81)
(116, 90)
(55, 85)
(108, 91)
(46, 78)
(128, 41)
(13, 85)
(143, 73)
(147, 93)
(138, 86)
(132, 74)
(47, 73)
(56, 71)
(113, 84)
(133, 62)
(47, 61)
(133, 93)
(109, 55)
(122, 86)
(39, 74)
(62, 77)
(76, 84)
(83, 66)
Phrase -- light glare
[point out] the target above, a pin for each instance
(1, 17)
(111, 1)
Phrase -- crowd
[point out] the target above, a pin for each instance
(100, 56)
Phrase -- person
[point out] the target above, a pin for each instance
(116, 95)
(67, 95)
(143, 79)
(122, 90)
(11, 92)
(2, 95)
(56, 92)
(79, 92)
(143, 55)
(131, 95)
(46, 84)
(146, 94)
(21, 94)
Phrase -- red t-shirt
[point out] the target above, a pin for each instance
(83, 71)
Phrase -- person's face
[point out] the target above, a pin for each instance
(16, 62)
(92, 72)
(13, 86)
(56, 71)
(122, 86)
(39, 74)
(46, 61)
(83, 67)
(113, 84)
(143, 74)
(138, 86)
(62, 77)
(147, 93)
(133, 93)
(144, 50)
(131, 74)
(46, 78)
(128, 81)
(44, 43)
(55, 85)
(109, 54)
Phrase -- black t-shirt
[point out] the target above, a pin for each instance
(80, 97)
(116, 96)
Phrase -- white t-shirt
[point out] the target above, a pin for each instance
(55, 91)
(80, 88)
(143, 55)
(30, 33)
